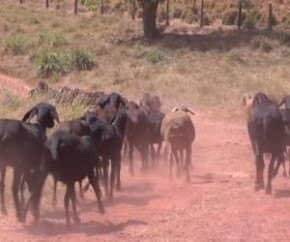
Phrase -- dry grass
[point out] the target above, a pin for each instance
(202, 69)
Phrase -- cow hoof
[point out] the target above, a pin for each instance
(101, 209)
(118, 187)
(131, 171)
(4, 211)
(268, 190)
(258, 187)
(21, 218)
(77, 220)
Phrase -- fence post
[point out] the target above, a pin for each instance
(47, 3)
(21, 1)
(194, 4)
(102, 6)
(201, 14)
(270, 17)
(76, 7)
(133, 9)
(240, 15)
(167, 12)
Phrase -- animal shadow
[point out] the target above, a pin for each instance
(283, 193)
(90, 228)
(205, 179)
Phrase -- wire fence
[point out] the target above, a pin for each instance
(269, 26)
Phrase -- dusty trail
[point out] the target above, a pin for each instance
(218, 205)
(13, 85)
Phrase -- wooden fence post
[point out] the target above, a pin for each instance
(167, 12)
(240, 15)
(201, 14)
(76, 7)
(102, 6)
(270, 22)
(133, 9)
(47, 3)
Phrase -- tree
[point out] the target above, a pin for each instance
(149, 13)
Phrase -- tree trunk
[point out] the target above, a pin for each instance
(149, 18)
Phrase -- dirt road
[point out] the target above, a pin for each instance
(218, 205)
(13, 85)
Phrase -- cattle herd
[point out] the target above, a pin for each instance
(92, 146)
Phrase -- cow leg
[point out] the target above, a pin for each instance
(112, 177)
(259, 184)
(73, 200)
(181, 159)
(188, 162)
(69, 188)
(158, 152)
(131, 165)
(81, 190)
(171, 162)
(270, 174)
(118, 171)
(54, 196)
(153, 154)
(94, 181)
(105, 165)
(2, 190)
(15, 190)
(177, 162)
(146, 156)
(281, 160)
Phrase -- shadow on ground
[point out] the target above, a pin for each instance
(284, 193)
(220, 40)
(89, 228)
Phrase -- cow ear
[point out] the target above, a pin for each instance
(188, 110)
(30, 114)
(54, 114)
(175, 109)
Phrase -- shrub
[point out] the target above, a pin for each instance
(154, 56)
(15, 45)
(247, 4)
(285, 21)
(264, 19)
(76, 109)
(176, 12)
(189, 16)
(206, 20)
(52, 39)
(161, 14)
(82, 60)
(250, 21)
(52, 63)
(230, 16)
(94, 5)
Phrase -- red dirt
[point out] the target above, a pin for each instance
(218, 205)
(13, 85)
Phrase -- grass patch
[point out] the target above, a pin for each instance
(75, 109)
(154, 56)
(52, 63)
(82, 59)
(15, 45)
(52, 39)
